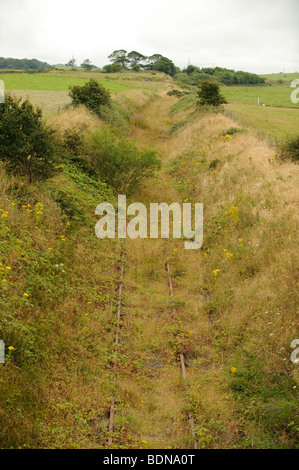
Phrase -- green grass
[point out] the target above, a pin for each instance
(278, 122)
(286, 77)
(276, 95)
(47, 82)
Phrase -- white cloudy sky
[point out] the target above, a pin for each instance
(254, 35)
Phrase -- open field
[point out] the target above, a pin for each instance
(286, 77)
(275, 95)
(60, 81)
(279, 122)
(45, 82)
(49, 101)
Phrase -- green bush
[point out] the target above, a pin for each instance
(232, 131)
(178, 93)
(26, 144)
(209, 94)
(290, 150)
(119, 163)
(113, 68)
(92, 95)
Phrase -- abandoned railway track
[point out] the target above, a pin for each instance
(119, 320)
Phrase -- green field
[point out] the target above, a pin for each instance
(279, 122)
(275, 95)
(47, 82)
(285, 77)
(279, 116)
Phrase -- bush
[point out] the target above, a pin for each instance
(26, 144)
(92, 95)
(290, 150)
(178, 93)
(209, 93)
(113, 68)
(119, 163)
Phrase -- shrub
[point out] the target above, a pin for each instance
(209, 93)
(178, 93)
(290, 150)
(92, 95)
(232, 131)
(119, 163)
(112, 68)
(26, 144)
(73, 141)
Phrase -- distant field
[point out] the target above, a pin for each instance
(275, 95)
(61, 80)
(45, 82)
(285, 77)
(50, 102)
(279, 122)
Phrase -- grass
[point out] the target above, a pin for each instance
(275, 95)
(285, 77)
(53, 312)
(277, 121)
(55, 80)
(47, 82)
(246, 318)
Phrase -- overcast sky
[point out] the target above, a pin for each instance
(259, 36)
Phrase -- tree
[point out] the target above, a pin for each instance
(209, 93)
(92, 95)
(190, 69)
(119, 56)
(72, 63)
(86, 64)
(151, 61)
(135, 58)
(165, 65)
(26, 143)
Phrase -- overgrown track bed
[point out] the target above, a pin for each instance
(182, 360)
(116, 342)
(182, 395)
